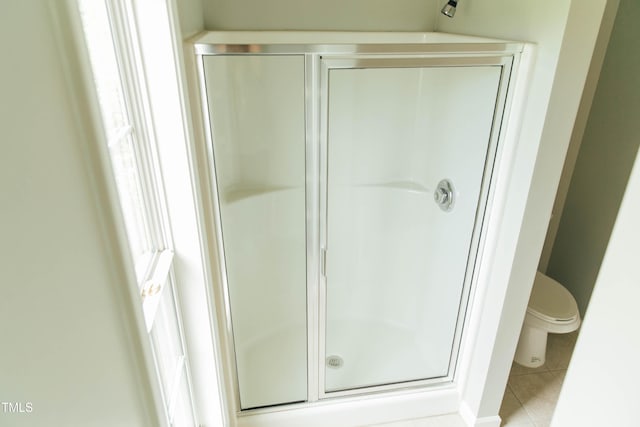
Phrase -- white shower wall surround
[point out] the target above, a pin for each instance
(351, 178)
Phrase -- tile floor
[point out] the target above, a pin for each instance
(531, 394)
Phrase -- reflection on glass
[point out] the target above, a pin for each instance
(166, 341)
(118, 129)
(128, 182)
(104, 65)
(395, 261)
(257, 118)
(182, 412)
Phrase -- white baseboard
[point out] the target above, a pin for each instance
(356, 411)
(471, 420)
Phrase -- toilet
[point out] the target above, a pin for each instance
(552, 309)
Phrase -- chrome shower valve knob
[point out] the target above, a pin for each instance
(443, 195)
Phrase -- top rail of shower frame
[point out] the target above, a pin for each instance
(328, 42)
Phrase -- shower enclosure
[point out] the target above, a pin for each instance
(351, 178)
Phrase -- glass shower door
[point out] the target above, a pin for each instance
(257, 115)
(396, 259)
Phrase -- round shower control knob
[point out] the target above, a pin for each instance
(444, 195)
(441, 196)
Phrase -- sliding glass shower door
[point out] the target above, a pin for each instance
(405, 161)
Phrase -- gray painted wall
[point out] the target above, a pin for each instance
(190, 16)
(609, 146)
(352, 15)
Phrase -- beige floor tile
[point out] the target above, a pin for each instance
(559, 350)
(559, 377)
(521, 370)
(531, 394)
(512, 412)
(538, 393)
(523, 423)
(543, 423)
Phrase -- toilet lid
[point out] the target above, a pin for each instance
(549, 299)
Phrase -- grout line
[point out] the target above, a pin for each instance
(531, 420)
(534, 421)
(518, 399)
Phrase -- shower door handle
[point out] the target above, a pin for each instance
(444, 195)
(323, 262)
